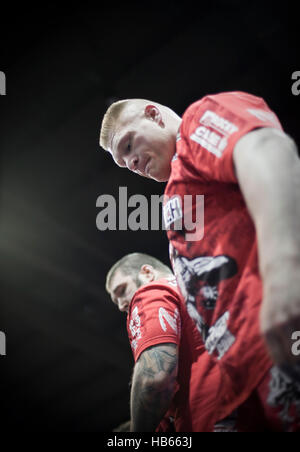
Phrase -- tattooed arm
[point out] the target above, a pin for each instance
(153, 386)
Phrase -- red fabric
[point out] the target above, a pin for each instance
(274, 406)
(146, 324)
(157, 314)
(218, 275)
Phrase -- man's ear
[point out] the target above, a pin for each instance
(153, 113)
(148, 271)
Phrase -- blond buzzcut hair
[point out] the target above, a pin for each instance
(113, 114)
(109, 121)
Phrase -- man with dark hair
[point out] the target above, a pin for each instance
(241, 281)
(131, 265)
(176, 383)
(173, 374)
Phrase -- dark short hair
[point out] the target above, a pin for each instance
(132, 263)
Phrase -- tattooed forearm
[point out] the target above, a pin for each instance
(153, 386)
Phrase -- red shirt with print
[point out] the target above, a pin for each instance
(217, 266)
(157, 315)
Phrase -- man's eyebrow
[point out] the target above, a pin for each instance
(121, 141)
(115, 290)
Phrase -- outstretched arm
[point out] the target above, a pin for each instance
(268, 171)
(153, 386)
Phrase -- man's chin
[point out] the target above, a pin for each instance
(163, 176)
(160, 180)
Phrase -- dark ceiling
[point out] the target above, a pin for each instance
(68, 361)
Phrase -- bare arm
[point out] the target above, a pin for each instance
(153, 386)
(268, 172)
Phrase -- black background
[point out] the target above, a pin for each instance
(68, 361)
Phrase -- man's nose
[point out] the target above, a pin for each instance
(133, 163)
(123, 305)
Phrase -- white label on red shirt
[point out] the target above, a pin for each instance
(135, 327)
(214, 121)
(213, 133)
(172, 211)
(209, 140)
(172, 321)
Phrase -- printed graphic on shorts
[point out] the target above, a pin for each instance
(135, 328)
(285, 395)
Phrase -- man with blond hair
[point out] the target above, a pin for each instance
(241, 281)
